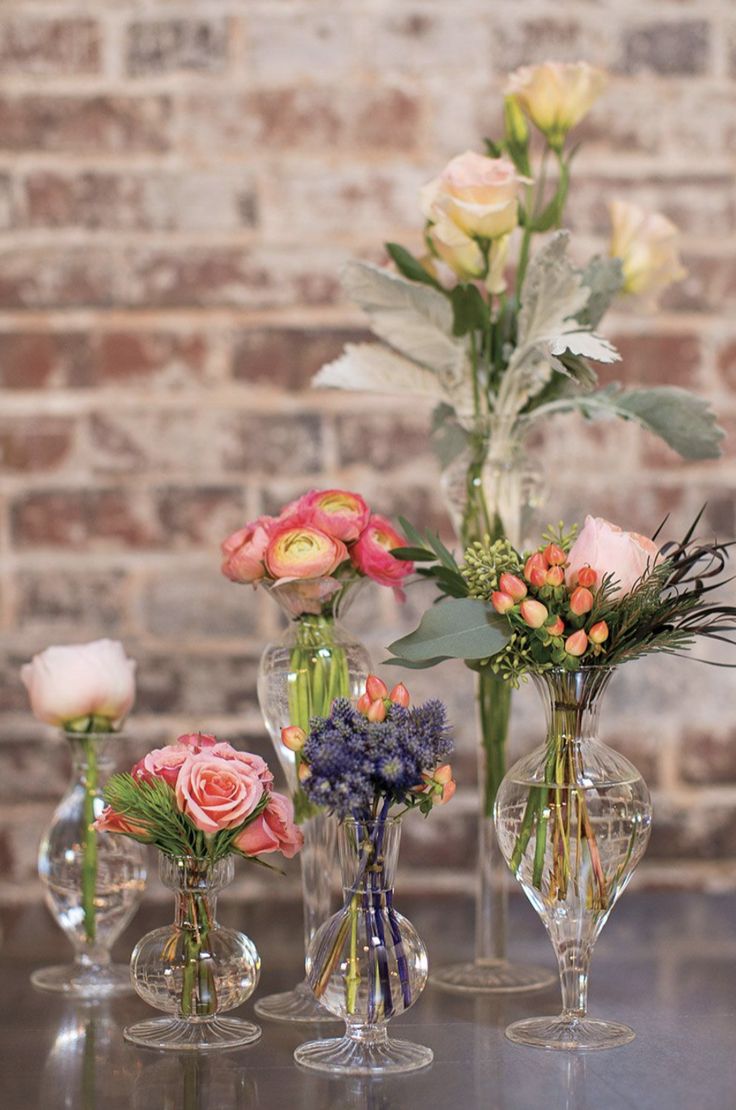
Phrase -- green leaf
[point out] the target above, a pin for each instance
(415, 664)
(412, 534)
(410, 266)
(413, 554)
(493, 149)
(469, 309)
(449, 438)
(604, 277)
(460, 628)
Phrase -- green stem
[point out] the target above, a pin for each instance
(494, 703)
(89, 841)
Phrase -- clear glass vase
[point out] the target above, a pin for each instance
(367, 963)
(93, 881)
(315, 661)
(194, 970)
(573, 819)
(497, 496)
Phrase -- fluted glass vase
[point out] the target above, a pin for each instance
(93, 881)
(494, 495)
(367, 963)
(194, 970)
(573, 819)
(315, 661)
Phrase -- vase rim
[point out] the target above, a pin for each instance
(371, 822)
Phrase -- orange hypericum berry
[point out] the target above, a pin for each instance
(375, 688)
(501, 602)
(533, 613)
(364, 704)
(513, 586)
(554, 555)
(581, 601)
(535, 562)
(293, 738)
(400, 695)
(587, 577)
(599, 632)
(377, 711)
(577, 643)
(555, 576)
(556, 628)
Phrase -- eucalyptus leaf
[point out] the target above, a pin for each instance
(415, 664)
(459, 628)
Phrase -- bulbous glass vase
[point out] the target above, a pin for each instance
(313, 662)
(573, 819)
(93, 881)
(194, 970)
(367, 963)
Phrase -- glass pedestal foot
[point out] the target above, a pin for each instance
(569, 1034)
(298, 1005)
(492, 977)
(84, 982)
(179, 1035)
(346, 1056)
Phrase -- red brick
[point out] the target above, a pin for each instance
(202, 516)
(288, 357)
(58, 277)
(727, 363)
(33, 360)
(708, 756)
(35, 444)
(77, 604)
(85, 124)
(382, 441)
(83, 519)
(171, 45)
(695, 202)
(710, 285)
(389, 119)
(37, 46)
(518, 42)
(271, 444)
(163, 358)
(657, 360)
(677, 47)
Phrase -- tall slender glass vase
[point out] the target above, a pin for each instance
(573, 819)
(93, 881)
(496, 497)
(315, 661)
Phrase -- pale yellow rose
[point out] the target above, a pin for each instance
(648, 245)
(476, 193)
(556, 95)
(456, 249)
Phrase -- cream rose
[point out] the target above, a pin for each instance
(607, 549)
(648, 245)
(556, 95)
(476, 194)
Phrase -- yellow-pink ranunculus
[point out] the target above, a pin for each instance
(475, 194)
(243, 551)
(556, 95)
(302, 552)
(338, 512)
(648, 245)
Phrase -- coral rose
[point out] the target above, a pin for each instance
(302, 552)
(112, 822)
(223, 750)
(161, 763)
(69, 683)
(372, 554)
(273, 830)
(337, 512)
(217, 793)
(556, 95)
(610, 550)
(244, 551)
(648, 245)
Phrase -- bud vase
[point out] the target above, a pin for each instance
(93, 881)
(573, 819)
(194, 970)
(367, 963)
(494, 496)
(312, 663)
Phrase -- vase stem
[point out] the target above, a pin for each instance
(317, 863)
(574, 965)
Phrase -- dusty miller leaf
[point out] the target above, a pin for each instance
(586, 344)
(604, 278)
(377, 369)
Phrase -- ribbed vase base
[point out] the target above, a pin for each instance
(569, 1034)
(179, 1035)
(492, 977)
(298, 1005)
(92, 982)
(345, 1056)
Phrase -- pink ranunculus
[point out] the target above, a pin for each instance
(74, 681)
(244, 551)
(217, 793)
(338, 512)
(273, 830)
(110, 821)
(609, 550)
(302, 552)
(223, 750)
(161, 763)
(372, 554)
(197, 741)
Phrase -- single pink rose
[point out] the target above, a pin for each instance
(303, 552)
(217, 793)
(337, 512)
(372, 554)
(74, 681)
(244, 551)
(609, 550)
(110, 821)
(223, 750)
(161, 763)
(273, 830)
(197, 741)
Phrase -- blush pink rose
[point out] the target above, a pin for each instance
(609, 550)
(217, 793)
(197, 741)
(74, 681)
(302, 552)
(273, 830)
(337, 512)
(258, 766)
(372, 554)
(161, 763)
(245, 549)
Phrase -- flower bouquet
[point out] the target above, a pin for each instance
(500, 337)
(573, 817)
(369, 764)
(200, 802)
(93, 884)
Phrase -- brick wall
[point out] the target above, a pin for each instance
(179, 184)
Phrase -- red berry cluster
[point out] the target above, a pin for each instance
(555, 605)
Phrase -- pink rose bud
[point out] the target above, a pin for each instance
(581, 601)
(577, 643)
(557, 627)
(375, 688)
(512, 586)
(533, 613)
(555, 576)
(364, 704)
(293, 738)
(501, 602)
(587, 577)
(536, 563)
(377, 711)
(400, 695)
(554, 555)
(599, 632)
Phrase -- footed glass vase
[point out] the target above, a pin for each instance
(194, 970)
(573, 819)
(313, 662)
(367, 963)
(93, 881)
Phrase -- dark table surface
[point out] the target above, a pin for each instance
(665, 964)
